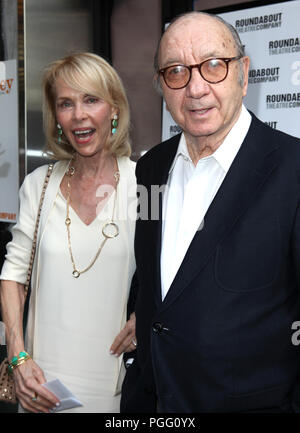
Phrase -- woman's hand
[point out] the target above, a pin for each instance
(29, 390)
(125, 341)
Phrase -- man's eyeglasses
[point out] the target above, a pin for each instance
(212, 70)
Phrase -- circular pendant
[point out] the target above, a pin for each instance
(75, 273)
(110, 230)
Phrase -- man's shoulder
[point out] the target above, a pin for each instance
(274, 137)
(160, 152)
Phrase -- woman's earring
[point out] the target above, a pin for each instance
(60, 131)
(114, 124)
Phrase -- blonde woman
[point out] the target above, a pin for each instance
(84, 260)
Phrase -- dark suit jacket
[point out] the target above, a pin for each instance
(221, 339)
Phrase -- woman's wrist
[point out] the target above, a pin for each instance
(15, 344)
(18, 360)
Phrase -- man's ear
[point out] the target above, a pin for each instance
(156, 83)
(246, 66)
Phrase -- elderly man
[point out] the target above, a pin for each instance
(219, 271)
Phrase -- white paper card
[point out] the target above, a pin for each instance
(67, 399)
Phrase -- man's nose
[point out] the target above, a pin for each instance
(197, 86)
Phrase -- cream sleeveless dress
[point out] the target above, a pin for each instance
(76, 320)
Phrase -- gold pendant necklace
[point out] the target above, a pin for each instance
(109, 229)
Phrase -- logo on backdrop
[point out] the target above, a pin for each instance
(264, 75)
(272, 123)
(283, 100)
(5, 83)
(284, 46)
(174, 129)
(5, 86)
(263, 22)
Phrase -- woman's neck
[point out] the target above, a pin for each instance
(94, 166)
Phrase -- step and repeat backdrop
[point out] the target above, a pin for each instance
(271, 35)
(9, 141)
(9, 111)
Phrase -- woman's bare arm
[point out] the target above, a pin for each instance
(28, 376)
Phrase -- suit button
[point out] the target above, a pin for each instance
(157, 327)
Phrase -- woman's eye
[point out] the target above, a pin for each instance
(64, 104)
(91, 100)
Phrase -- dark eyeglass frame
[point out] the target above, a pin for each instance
(227, 60)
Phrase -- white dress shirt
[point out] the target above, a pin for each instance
(189, 193)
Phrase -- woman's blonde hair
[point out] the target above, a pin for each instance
(92, 75)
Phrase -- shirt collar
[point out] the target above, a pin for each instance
(228, 150)
(182, 151)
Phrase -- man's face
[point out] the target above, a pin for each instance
(202, 109)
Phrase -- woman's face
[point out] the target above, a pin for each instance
(85, 119)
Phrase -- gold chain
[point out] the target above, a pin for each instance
(76, 273)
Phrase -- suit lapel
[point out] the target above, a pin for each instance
(159, 177)
(255, 161)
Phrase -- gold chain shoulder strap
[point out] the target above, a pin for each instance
(33, 248)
